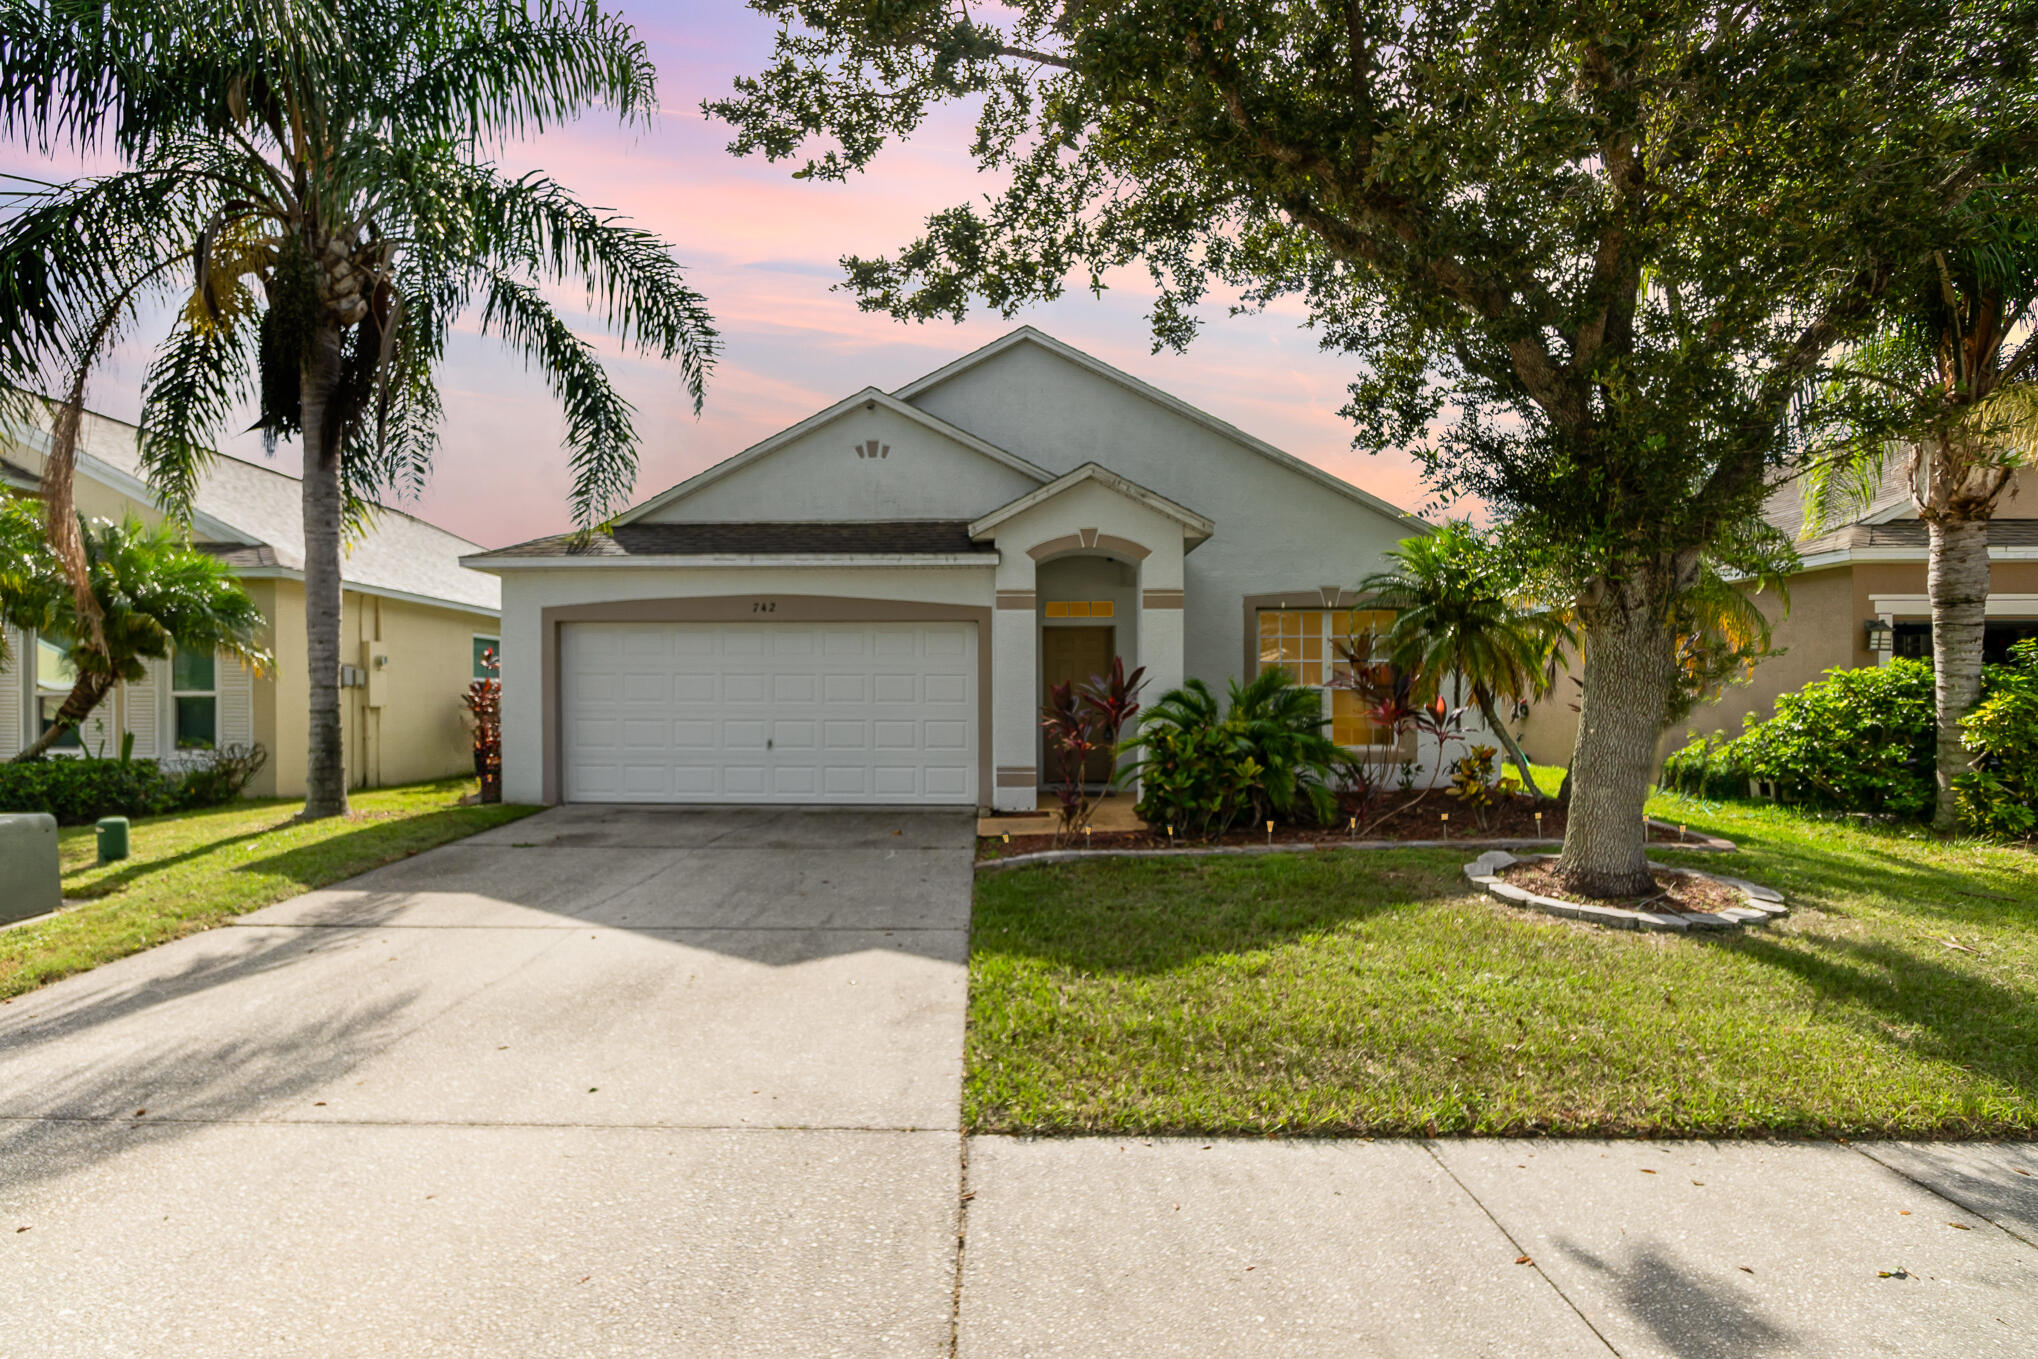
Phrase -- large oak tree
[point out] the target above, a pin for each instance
(1589, 256)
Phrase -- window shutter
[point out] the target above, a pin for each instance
(12, 725)
(141, 708)
(236, 703)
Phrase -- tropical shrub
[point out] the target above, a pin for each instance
(1264, 757)
(1079, 720)
(79, 792)
(1998, 792)
(482, 699)
(219, 776)
(1473, 784)
(1857, 741)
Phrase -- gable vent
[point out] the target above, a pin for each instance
(871, 448)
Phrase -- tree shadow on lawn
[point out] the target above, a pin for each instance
(1130, 916)
(139, 869)
(1997, 885)
(1933, 1011)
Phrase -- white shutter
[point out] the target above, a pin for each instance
(236, 703)
(143, 719)
(12, 725)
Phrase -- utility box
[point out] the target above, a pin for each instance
(376, 666)
(29, 877)
(112, 833)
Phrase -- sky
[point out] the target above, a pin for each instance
(764, 248)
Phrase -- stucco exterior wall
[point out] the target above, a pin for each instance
(526, 594)
(923, 474)
(1824, 629)
(1278, 529)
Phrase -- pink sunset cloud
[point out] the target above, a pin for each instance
(763, 248)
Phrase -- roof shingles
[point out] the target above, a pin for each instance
(903, 537)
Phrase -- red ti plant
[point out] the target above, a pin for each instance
(1080, 721)
(483, 702)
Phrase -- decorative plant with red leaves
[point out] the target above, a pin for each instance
(1079, 721)
(483, 702)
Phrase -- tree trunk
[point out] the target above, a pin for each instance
(1958, 582)
(88, 693)
(1630, 661)
(325, 791)
(1506, 739)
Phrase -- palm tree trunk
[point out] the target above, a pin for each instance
(1957, 580)
(1629, 664)
(325, 791)
(1501, 734)
(88, 693)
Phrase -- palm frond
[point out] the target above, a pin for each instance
(508, 73)
(600, 437)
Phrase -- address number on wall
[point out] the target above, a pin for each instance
(765, 606)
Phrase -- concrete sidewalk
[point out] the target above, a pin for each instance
(1168, 1247)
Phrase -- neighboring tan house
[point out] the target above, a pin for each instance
(413, 624)
(868, 606)
(1857, 598)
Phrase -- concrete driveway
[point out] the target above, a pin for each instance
(602, 1081)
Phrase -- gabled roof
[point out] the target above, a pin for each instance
(253, 516)
(1884, 528)
(868, 397)
(1028, 335)
(1195, 527)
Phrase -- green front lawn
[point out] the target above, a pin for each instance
(1372, 993)
(194, 870)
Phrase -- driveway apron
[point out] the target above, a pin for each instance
(602, 1081)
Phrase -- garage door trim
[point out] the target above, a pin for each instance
(744, 609)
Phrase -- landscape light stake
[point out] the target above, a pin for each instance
(1680, 832)
(1539, 825)
(1270, 833)
(1086, 839)
(1352, 831)
(1171, 837)
(1447, 825)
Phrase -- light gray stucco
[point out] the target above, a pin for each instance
(1277, 528)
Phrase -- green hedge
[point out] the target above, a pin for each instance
(1998, 793)
(1856, 741)
(79, 792)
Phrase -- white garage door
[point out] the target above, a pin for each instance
(769, 712)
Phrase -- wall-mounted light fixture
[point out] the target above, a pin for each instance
(1881, 636)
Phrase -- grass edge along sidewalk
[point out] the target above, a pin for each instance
(192, 871)
(1374, 994)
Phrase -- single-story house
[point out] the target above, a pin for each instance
(867, 607)
(414, 622)
(1858, 598)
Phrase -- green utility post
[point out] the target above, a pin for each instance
(112, 839)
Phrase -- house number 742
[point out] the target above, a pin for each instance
(765, 606)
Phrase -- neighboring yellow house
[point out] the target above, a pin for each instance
(413, 625)
(1858, 598)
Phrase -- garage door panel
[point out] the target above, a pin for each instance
(750, 712)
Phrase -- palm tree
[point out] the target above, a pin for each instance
(312, 178)
(1955, 368)
(153, 593)
(1456, 619)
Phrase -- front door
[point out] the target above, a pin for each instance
(1072, 656)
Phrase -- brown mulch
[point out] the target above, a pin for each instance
(1511, 819)
(1677, 891)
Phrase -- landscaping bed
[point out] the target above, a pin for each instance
(1378, 994)
(1512, 819)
